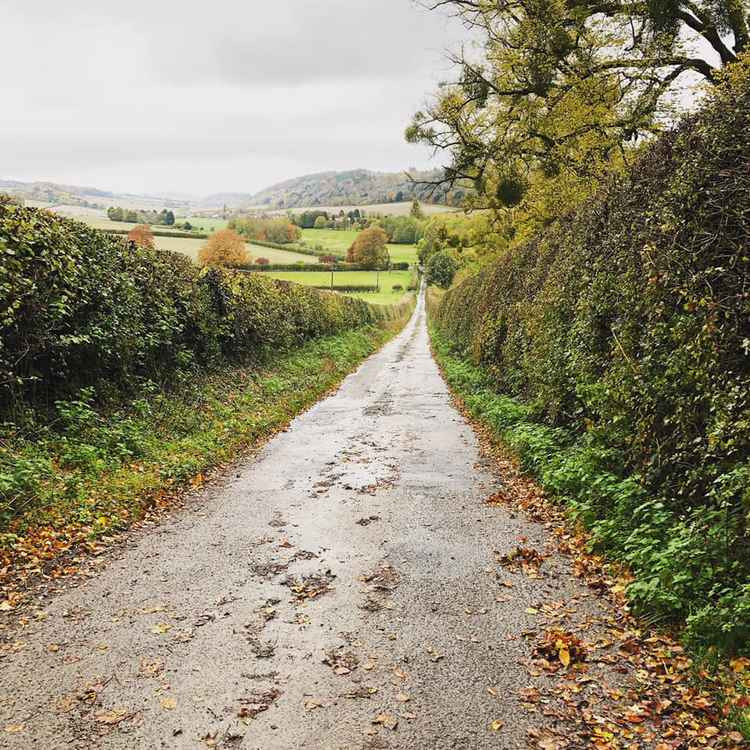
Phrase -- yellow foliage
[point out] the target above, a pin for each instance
(224, 248)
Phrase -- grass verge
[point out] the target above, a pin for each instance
(570, 472)
(88, 474)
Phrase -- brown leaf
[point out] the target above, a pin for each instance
(111, 717)
(387, 720)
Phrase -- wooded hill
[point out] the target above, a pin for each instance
(357, 187)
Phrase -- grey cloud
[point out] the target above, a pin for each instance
(220, 96)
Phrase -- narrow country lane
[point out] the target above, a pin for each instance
(340, 590)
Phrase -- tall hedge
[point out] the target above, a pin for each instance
(79, 307)
(629, 324)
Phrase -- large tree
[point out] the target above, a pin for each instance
(370, 249)
(224, 248)
(562, 85)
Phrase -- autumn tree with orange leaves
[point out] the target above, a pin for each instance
(142, 236)
(370, 249)
(224, 248)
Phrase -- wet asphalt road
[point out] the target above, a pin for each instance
(345, 575)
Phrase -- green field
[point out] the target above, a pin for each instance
(190, 246)
(339, 240)
(203, 224)
(386, 279)
(104, 223)
(333, 240)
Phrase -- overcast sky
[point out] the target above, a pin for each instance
(212, 96)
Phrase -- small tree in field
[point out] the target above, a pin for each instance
(224, 248)
(370, 248)
(262, 261)
(320, 223)
(142, 236)
(416, 210)
(329, 260)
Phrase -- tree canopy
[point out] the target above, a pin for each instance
(142, 236)
(562, 86)
(278, 230)
(369, 249)
(224, 248)
(441, 267)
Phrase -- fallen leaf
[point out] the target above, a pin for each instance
(168, 703)
(497, 725)
(386, 720)
(111, 717)
(14, 728)
(160, 628)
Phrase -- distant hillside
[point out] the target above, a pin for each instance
(56, 194)
(357, 187)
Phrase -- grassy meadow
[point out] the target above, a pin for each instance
(191, 246)
(203, 223)
(386, 279)
(332, 240)
(339, 240)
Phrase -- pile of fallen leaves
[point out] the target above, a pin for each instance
(560, 646)
(310, 587)
(528, 560)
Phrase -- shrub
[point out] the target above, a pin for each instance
(142, 236)
(262, 261)
(628, 325)
(224, 248)
(397, 288)
(441, 268)
(320, 222)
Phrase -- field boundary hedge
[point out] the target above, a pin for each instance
(317, 267)
(348, 287)
(163, 233)
(294, 248)
(627, 325)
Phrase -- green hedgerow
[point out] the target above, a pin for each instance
(627, 326)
